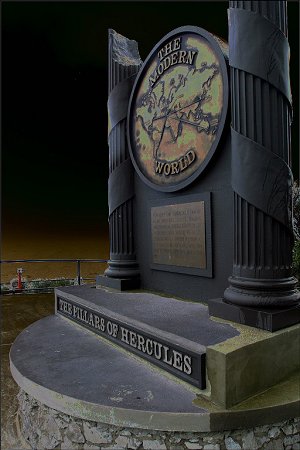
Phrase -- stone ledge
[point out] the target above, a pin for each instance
(251, 363)
(94, 380)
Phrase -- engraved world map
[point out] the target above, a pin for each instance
(178, 109)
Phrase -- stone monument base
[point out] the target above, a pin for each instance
(80, 390)
(63, 431)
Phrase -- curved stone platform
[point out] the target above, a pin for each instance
(80, 374)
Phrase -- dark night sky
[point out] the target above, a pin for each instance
(54, 93)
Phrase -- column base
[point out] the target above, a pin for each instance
(262, 293)
(121, 284)
(121, 274)
(269, 319)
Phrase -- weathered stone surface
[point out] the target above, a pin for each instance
(61, 423)
(262, 440)
(125, 433)
(124, 51)
(275, 444)
(289, 440)
(249, 441)
(288, 429)
(192, 445)
(50, 426)
(68, 445)
(65, 417)
(174, 439)
(47, 442)
(91, 447)
(74, 433)
(113, 447)
(231, 444)
(133, 443)
(96, 436)
(274, 432)
(122, 441)
(154, 445)
(43, 427)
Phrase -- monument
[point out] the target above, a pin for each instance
(200, 227)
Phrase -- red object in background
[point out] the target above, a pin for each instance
(19, 272)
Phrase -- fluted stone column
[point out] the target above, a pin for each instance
(124, 63)
(261, 112)
(261, 147)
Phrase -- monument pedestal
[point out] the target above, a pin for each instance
(67, 369)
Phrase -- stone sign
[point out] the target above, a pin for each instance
(167, 354)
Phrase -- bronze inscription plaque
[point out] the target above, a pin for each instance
(178, 235)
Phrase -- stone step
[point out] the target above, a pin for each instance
(170, 333)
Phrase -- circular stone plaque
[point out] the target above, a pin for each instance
(177, 109)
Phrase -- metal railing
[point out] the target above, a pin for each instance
(78, 262)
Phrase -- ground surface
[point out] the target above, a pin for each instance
(18, 311)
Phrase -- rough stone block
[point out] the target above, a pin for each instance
(231, 444)
(74, 433)
(275, 444)
(192, 445)
(96, 436)
(274, 432)
(154, 445)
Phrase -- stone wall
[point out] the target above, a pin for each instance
(46, 428)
